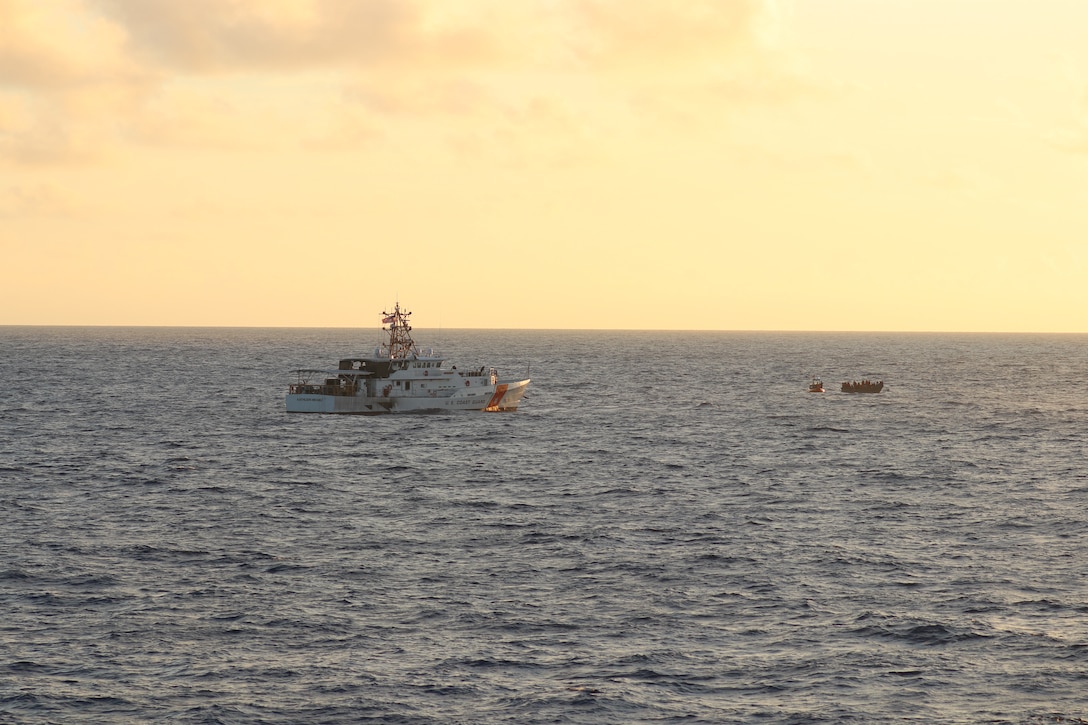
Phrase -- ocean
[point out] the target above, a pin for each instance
(670, 529)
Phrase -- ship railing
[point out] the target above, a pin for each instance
(318, 389)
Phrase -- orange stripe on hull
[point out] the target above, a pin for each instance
(493, 404)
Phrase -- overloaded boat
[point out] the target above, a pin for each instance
(401, 378)
(816, 386)
(863, 386)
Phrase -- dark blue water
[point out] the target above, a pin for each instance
(670, 529)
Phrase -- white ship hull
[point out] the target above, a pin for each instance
(499, 397)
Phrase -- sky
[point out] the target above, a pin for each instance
(901, 165)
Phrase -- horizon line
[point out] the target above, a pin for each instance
(548, 329)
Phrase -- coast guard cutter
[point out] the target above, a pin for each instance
(401, 378)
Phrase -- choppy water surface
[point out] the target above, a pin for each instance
(671, 529)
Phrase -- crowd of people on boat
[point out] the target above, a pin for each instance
(864, 386)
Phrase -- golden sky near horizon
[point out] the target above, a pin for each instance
(730, 165)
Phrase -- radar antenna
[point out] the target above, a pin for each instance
(400, 344)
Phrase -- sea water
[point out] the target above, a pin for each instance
(670, 529)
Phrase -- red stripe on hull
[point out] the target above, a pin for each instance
(493, 404)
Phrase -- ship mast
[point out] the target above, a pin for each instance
(401, 345)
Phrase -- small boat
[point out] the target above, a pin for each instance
(863, 386)
(401, 378)
(816, 386)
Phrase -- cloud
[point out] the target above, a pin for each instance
(181, 115)
(1069, 140)
(1073, 136)
(66, 76)
(598, 65)
(40, 131)
(14, 113)
(345, 130)
(42, 200)
(59, 44)
(660, 34)
(202, 36)
(969, 181)
(97, 76)
(419, 96)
